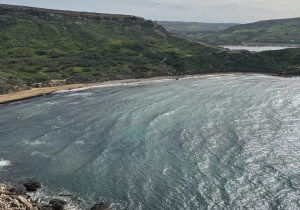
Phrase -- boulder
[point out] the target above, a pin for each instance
(19, 191)
(15, 203)
(2, 187)
(3, 205)
(25, 202)
(10, 190)
(57, 206)
(5, 197)
(32, 185)
(103, 206)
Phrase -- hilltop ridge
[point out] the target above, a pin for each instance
(53, 12)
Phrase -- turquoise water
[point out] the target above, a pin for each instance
(215, 142)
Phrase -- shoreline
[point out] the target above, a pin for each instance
(36, 92)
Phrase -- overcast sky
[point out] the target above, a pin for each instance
(216, 11)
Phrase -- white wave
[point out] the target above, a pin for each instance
(72, 90)
(4, 163)
(44, 195)
(111, 85)
(51, 103)
(90, 87)
(121, 83)
(38, 153)
(79, 142)
(37, 142)
(165, 170)
(31, 143)
(82, 94)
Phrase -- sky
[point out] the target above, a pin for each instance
(209, 11)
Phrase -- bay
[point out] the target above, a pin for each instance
(213, 142)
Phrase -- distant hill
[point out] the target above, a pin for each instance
(42, 47)
(277, 32)
(194, 29)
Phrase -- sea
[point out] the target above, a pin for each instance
(211, 142)
(255, 48)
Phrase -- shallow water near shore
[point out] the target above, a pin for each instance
(213, 142)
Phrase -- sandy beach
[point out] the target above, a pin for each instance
(35, 92)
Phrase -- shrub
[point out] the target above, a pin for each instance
(57, 54)
(135, 46)
(83, 62)
(149, 40)
(86, 70)
(41, 52)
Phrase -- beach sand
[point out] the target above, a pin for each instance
(35, 92)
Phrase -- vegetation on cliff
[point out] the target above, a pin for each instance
(41, 47)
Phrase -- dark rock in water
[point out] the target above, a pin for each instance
(32, 185)
(62, 202)
(57, 206)
(102, 206)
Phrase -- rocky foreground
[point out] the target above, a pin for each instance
(18, 199)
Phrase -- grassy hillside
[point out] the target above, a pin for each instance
(194, 29)
(40, 47)
(284, 31)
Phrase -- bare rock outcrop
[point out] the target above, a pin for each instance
(13, 198)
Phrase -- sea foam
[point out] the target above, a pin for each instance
(4, 163)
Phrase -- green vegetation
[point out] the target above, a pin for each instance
(39, 46)
(271, 32)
